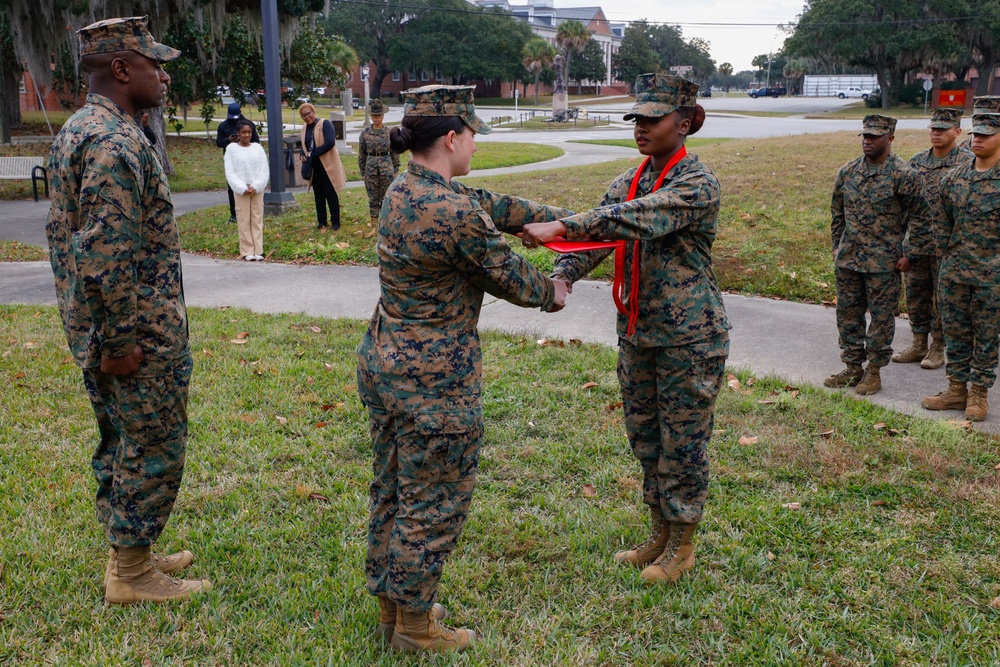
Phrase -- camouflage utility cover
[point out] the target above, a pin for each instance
(445, 101)
(661, 94)
(124, 34)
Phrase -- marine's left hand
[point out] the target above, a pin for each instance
(903, 264)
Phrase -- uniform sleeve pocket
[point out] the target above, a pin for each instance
(444, 446)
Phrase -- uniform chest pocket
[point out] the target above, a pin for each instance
(884, 201)
(443, 445)
(984, 207)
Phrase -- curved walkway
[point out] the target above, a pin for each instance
(797, 342)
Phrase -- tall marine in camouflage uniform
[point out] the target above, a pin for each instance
(440, 249)
(969, 286)
(875, 198)
(115, 253)
(922, 278)
(673, 350)
(378, 163)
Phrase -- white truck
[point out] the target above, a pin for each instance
(853, 91)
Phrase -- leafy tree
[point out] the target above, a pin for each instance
(793, 72)
(241, 63)
(589, 65)
(316, 60)
(431, 44)
(635, 55)
(571, 37)
(372, 29)
(726, 70)
(537, 55)
(890, 38)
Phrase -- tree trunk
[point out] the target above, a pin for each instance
(538, 75)
(883, 87)
(10, 103)
(985, 81)
(159, 126)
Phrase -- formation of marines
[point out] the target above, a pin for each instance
(933, 220)
(115, 255)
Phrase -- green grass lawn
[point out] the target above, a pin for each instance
(198, 162)
(836, 532)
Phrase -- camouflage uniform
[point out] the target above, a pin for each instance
(872, 206)
(671, 368)
(440, 250)
(115, 254)
(968, 237)
(922, 278)
(378, 164)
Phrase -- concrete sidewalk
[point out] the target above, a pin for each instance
(797, 342)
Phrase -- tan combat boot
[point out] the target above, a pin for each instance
(916, 351)
(677, 556)
(935, 354)
(174, 562)
(871, 381)
(650, 550)
(373, 222)
(387, 617)
(418, 631)
(848, 377)
(975, 409)
(954, 398)
(133, 580)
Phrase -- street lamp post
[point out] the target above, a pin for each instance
(365, 70)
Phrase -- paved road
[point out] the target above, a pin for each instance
(797, 342)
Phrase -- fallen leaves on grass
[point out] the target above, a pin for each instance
(241, 338)
(734, 383)
(617, 406)
(589, 491)
(281, 420)
(747, 440)
(318, 497)
(879, 503)
(588, 385)
(792, 506)
(827, 434)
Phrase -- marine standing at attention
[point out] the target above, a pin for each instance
(378, 163)
(922, 279)
(673, 336)
(115, 253)
(876, 197)
(440, 250)
(969, 287)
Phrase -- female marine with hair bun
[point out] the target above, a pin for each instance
(440, 249)
(672, 331)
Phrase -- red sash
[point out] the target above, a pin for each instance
(618, 286)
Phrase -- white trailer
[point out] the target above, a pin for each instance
(827, 85)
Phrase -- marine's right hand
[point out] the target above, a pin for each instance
(126, 365)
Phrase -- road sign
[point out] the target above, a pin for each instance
(928, 84)
(681, 70)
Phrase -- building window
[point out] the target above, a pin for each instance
(23, 87)
(424, 76)
(396, 75)
(437, 74)
(411, 75)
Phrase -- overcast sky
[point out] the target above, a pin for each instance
(734, 44)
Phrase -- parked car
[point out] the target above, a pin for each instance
(853, 91)
(705, 92)
(773, 91)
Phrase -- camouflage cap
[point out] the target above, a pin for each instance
(877, 125)
(658, 94)
(945, 118)
(986, 114)
(123, 34)
(376, 107)
(444, 101)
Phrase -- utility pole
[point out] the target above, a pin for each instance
(278, 200)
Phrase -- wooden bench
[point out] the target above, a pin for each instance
(18, 168)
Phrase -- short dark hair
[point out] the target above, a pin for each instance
(243, 122)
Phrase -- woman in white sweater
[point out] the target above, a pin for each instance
(247, 173)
